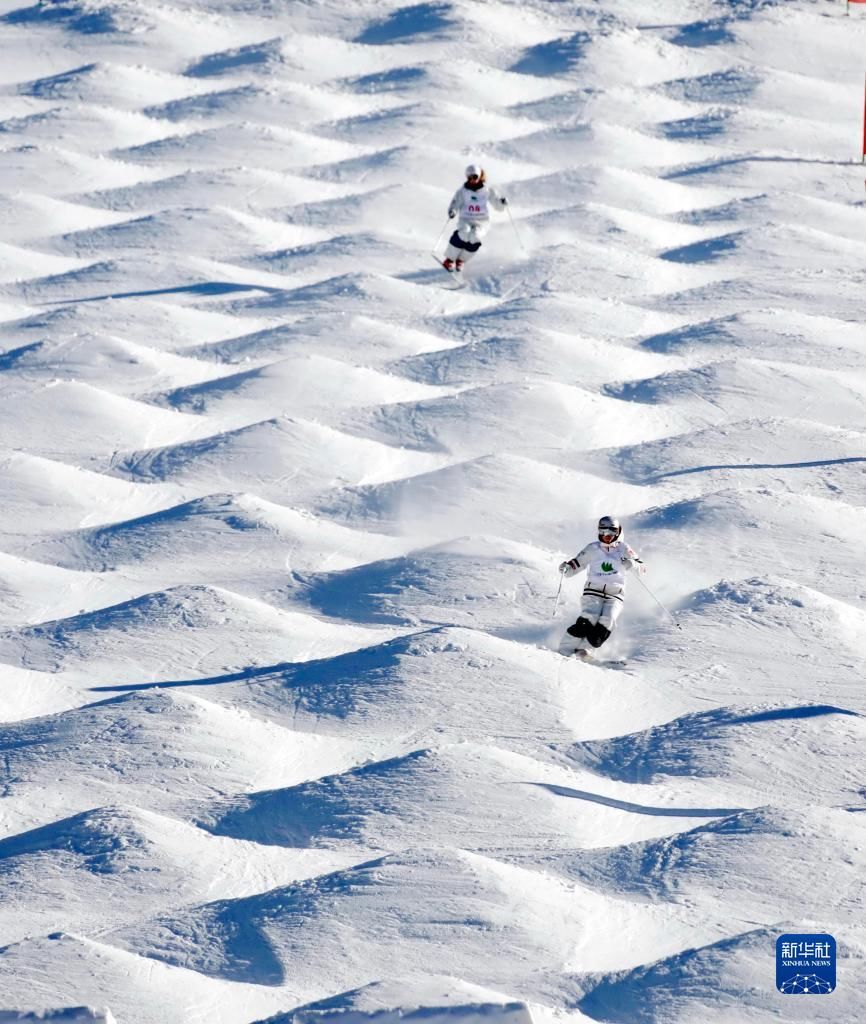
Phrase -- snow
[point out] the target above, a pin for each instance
(284, 733)
(73, 1014)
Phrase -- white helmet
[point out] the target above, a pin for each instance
(609, 526)
(475, 171)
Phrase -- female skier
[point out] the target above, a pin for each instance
(607, 561)
(471, 204)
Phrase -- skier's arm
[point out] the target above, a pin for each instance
(574, 565)
(631, 561)
(495, 197)
(455, 203)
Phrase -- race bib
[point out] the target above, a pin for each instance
(475, 207)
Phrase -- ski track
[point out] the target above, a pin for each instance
(282, 727)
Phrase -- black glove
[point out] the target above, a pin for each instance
(451, 215)
(504, 201)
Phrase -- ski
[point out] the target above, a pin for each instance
(589, 659)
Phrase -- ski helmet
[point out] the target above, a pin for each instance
(475, 171)
(609, 526)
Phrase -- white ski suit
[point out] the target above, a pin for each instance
(472, 208)
(607, 566)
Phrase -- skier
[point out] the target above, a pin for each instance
(606, 560)
(471, 204)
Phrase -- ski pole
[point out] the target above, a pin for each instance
(652, 595)
(439, 237)
(516, 232)
(558, 592)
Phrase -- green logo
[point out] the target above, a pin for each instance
(606, 567)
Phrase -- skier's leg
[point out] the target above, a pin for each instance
(598, 634)
(580, 629)
(576, 635)
(610, 612)
(460, 238)
(472, 242)
(453, 250)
